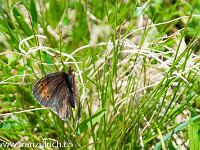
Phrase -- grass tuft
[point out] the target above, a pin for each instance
(136, 63)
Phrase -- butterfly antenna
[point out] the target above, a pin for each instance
(82, 57)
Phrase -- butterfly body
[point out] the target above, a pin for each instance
(57, 91)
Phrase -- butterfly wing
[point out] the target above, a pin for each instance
(73, 92)
(46, 90)
(57, 91)
(69, 97)
(62, 107)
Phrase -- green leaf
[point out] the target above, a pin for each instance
(171, 146)
(87, 124)
(193, 112)
(15, 122)
(194, 140)
(178, 128)
(154, 61)
(8, 27)
(47, 58)
(12, 59)
(22, 24)
(33, 12)
(3, 26)
(16, 13)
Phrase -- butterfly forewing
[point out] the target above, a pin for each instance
(46, 90)
(57, 91)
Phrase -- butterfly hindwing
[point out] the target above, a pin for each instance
(72, 91)
(62, 108)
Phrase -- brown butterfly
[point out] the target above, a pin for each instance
(58, 91)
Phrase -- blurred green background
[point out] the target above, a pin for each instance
(131, 99)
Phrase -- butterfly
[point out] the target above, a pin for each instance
(59, 92)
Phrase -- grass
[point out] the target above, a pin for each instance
(137, 68)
